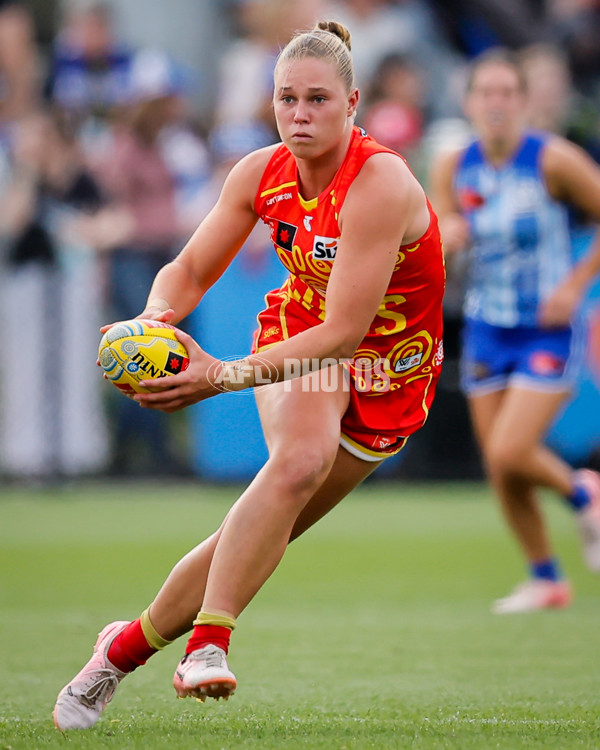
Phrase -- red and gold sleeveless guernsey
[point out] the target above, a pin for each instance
(396, 367)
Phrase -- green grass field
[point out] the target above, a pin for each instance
(375, 631)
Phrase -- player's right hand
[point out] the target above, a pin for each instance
(155, 313)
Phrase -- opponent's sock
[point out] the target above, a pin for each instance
(547, 570)
(210, 627)
(579, 498)
(135, 644)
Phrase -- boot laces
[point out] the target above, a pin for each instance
(101, 689)
(211, 656)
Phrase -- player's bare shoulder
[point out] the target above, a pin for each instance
(385, 196)
(258, 160)
(385, 177)
(571, 174)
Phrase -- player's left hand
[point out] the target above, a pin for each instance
(175, 392)
(558, 310)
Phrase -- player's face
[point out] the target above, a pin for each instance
(312, 107)
(496, 102)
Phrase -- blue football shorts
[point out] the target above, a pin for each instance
(535, 358)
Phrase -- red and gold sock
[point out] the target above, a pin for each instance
(135, 644)
(210, 627)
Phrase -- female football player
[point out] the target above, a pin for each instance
(505, 198)
(345, 359)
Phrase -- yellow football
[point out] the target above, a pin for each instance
(140, 350)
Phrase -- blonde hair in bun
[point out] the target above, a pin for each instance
(329, 40)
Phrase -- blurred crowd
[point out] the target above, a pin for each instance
(107, 165)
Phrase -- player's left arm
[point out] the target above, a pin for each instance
(572, 177)
(384, 207)
(376, 216)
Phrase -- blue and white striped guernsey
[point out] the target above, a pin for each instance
(521, 247)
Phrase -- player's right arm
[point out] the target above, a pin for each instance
(573, 177)
(180, 285)
(454, 228)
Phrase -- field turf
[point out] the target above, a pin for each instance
(375, 631)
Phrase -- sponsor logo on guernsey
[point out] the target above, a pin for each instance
(407, 363)
(283, 234)
(307, 221)
(277, 198)
(324, 248)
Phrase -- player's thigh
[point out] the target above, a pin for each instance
(347, 472)
(524, 417)
(484, 409)
(303, 412)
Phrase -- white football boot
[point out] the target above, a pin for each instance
(534, 595)
(204, 673)
(81, 702)
(588, 519)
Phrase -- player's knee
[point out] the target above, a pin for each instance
(506, 459)
(302, 466)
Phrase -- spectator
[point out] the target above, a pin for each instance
(394, 108)
(138, 180)
(576, 28)
(246, 77)
(553, 102)
(54, 426)
(409, 27)
(156, 75)
(477, 25)
(228, 143)
(90, 67)
(20, 66)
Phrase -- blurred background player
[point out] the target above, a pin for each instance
(504, 199)
(353, 227)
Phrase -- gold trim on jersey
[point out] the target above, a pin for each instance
(308, 205)
(270, 191)
(265, 347)
(366, 454)
(284, 329)
(402, 254)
